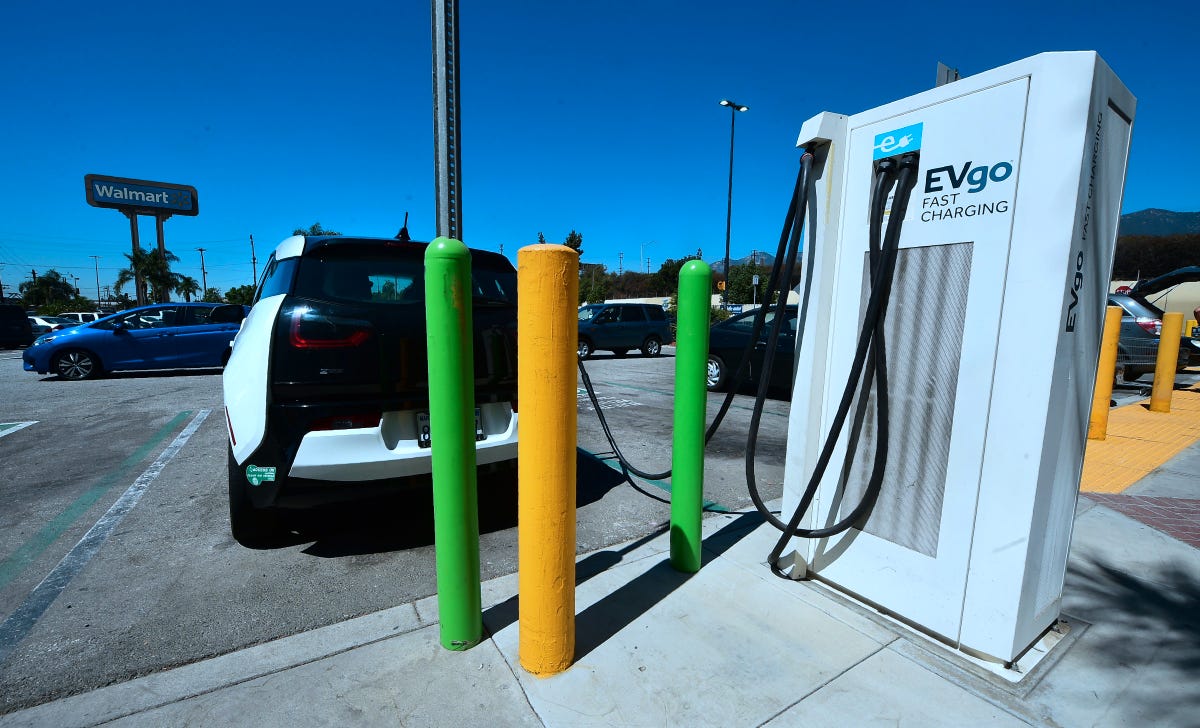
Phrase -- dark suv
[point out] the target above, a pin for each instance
(15, 329)
(1137, 348)
(619, 327)
(327, 386)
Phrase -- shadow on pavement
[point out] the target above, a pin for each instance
(605, 618)
(404, 520)
(1155, 614)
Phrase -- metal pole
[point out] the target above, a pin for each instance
(691, 397)
(96, 260)
(203, 276)
(734, 108)
(729, 206)
(139, 283)
(1105, 371)
(253, 264)
(165, 294)
(1164, 366)
(452, 425)
(446, 119)
(547, 296)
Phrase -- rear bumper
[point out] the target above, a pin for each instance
(390, 450)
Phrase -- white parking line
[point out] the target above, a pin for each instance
(8, 428)
(14, 629)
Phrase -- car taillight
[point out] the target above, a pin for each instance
(313, 331)
(1152, 326)
(346, 422)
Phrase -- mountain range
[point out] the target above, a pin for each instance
(1160, 222)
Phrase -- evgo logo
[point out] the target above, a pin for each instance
(898, 141)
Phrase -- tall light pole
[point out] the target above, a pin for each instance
(734, 108)
(644, 261)
(96, 260)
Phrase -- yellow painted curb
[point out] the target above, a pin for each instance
(1139, 441)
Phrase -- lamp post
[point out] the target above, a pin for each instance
(734, 108)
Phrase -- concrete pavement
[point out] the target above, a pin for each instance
(730, 646)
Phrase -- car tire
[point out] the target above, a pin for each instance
(76, 365)
(585, 348)
(620, 353)
(652, 346)
(255, 528)
(716, 374)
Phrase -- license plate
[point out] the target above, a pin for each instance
(425, 438)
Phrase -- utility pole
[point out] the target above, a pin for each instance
(620, 260)
(253, 264)
(446, 163)
(203, 276)
(96, 261)
(1, 283)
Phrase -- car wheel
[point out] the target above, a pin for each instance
(716, 374)
(255, 528)
(76, 365)
(652, 346)
(619, 353)
(585, 348)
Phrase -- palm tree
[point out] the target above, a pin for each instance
(187, 287)
(149, 269)
(50, 287)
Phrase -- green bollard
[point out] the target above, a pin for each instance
(452, 433)
(691, 397)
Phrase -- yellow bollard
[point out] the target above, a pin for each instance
(1164, 366)
(1098, 426)
(547, 339)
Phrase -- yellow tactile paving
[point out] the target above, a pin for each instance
(1139, 441)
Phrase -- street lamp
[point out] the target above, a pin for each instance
(733, 109)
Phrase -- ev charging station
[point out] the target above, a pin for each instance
(993, 333)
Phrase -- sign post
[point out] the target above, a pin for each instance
(133, 197)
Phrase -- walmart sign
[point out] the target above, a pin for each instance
(141, 196)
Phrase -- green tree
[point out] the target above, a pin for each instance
(187, 287)
(574, 241)
(240, 294)
(541, 238)
(314, 229)
(46, 290)
(741, 283)
(213, 295)
(595, 283)
(151, 274)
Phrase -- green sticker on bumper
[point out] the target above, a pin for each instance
(257, 475)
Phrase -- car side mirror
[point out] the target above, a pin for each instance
(119, 326)
(228, 314)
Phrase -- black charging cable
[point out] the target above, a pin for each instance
(871, 348)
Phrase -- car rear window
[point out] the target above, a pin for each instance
(656, 313)
(1137, 306)
(389, 275)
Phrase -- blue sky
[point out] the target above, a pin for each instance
(598, 117)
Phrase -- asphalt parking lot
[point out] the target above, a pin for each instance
(140, 460)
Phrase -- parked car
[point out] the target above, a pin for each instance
(54, 323)
(728, 339)
(619, 327)
(15, 327)
(1186, 274)
(327, 390)
(83, 317)
(1141, 326)
(162, 336)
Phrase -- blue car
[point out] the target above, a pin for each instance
(162, 336)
